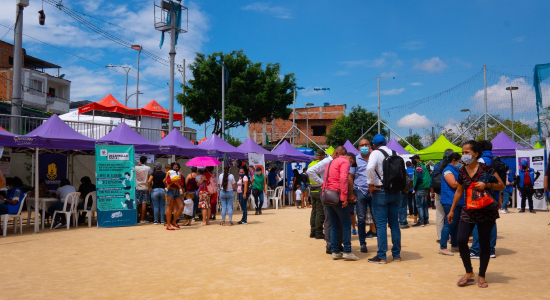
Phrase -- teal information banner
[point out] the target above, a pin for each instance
(115, 185)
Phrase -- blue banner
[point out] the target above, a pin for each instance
(52, 168)
(115, 185)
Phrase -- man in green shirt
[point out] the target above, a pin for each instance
(259, 185)
(422, 182)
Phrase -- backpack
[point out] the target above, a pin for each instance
(395, 176)
(500, 167)
(436, 179)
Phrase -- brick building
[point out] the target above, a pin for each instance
(319, 119)
(41, 91)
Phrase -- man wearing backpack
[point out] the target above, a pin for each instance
(422, 181)
(436, 194)
(385, 189)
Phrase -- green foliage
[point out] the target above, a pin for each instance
(253, 93)
(351, 126)
(414, 140)
(233, 141)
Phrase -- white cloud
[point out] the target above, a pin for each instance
(414, 120)
(390, 92)
(433, 64)
(341, 73)
(417, 84)
(276, 11)
(388, 74)
(518, 39)
(310, 92)
(413, 45)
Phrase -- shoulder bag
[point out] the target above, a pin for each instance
(330, 197)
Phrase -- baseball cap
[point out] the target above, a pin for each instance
(378, 140)
(524, 163)
(415, 157)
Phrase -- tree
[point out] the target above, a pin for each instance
(351, 127)
(414, 140)
(235, 142)
(253, 94)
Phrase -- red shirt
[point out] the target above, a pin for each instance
(338, 177)
(527, 178)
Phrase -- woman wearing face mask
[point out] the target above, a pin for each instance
(450, 166)
(260, 185)
(242, 193)
(485, 219)
(174, 180)
(13, 197)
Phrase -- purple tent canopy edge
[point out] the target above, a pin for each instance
(394, 145)
(285, 152)
(250, 146)
(176, 144)
(503, 145)
(216, 147)
(350, 148)
(7, 139)
(124, 135)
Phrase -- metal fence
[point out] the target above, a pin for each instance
(91, 130)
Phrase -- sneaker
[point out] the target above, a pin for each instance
(454, 249)
(354, 232)
(493, 254)
(143, 222)
(57, 225)
(155, 223)
(446, 252)
(521, 211)
(532, 211)
(474, 255)
(338, 255)
(328, 250)
(311, 235)
(507, 211)
(377, 260)
(364, 249)
(427, 223)
(320, 236)
(370, 235)
(502, 211)
(418, 225)
(404, 226)
(350, 256)
(242, 223)
(397, 259)
(193, 220)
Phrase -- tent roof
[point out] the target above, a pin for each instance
(503, 145)
(108, 107)
(537, 145)
(394, 145)
(285, 152)
(216, 147)
(410, 149)
(56, 135)
(7, 138)
(153, 109)
(350, 148)
(436, 150)
(250, 146)
(176, 144)
(124, 135)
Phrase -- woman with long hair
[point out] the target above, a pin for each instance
(213, 191)
(175, 182)
(296, 183)
(203, 181)
(227, 185)
(449, 169)
(192, 186)
(243, 192)
(475, 173)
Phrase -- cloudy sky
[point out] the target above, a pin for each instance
(428, 53)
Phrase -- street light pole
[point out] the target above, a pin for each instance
(127, 70)
(137, 47)
(512, 88)
(294, 113)
(16, 96)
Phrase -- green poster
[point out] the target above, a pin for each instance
(116, 185)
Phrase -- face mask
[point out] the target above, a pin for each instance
(467, 159)
(241, 175)
(459, 165)
(258, 173)
(365, 150)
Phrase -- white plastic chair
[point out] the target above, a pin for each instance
(269, 195)
(73, 211)
(90, 213)
(5, 219)
(277, 197)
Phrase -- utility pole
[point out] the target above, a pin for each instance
(183, 106)
(378, 83)
(293, 116)
(485, 96)
(223, 101)
(172, 62)
(16, 99)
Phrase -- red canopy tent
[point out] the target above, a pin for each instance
(108, 107)
(153, 109)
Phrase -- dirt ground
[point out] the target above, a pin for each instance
(272, 257)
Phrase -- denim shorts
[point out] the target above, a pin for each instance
(141, 196)
(173, 193)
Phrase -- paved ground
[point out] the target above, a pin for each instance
(272, 257)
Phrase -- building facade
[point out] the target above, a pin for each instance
(314, 122)
(40, 90)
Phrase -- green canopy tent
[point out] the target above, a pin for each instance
(537, 145)
(436, 150)
(410, 149)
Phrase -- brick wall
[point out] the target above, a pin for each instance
(6, 51)
(318, 116)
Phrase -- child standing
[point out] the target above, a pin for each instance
(188, 208)
(298, 198)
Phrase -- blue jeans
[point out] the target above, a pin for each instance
(259, 199)
(505, 199)
(158, 200)
(243, 202)
(226, 198)
(475, 243)
(386, 209)
(422, 205)
(336, 215)
(451, 229)
(363, 201)
(403, 209)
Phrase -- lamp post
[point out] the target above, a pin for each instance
(127, 69)
(469, 113)
(307, 122)
(223, 96)
(512, 88)
(294, 112)
(139, 48)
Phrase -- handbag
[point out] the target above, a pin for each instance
(330, 197)
(476, 199)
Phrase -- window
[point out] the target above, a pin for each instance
(10, 60)
(35, 85)
(51, 92)
(319, 130)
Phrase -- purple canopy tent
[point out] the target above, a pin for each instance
(395, 146)
(53, 136)
(216, 147)
(350, 148)
(503, 145)
(285, 152)
(176, 144)
(7, 139)
(124, 135)
(250, 146)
